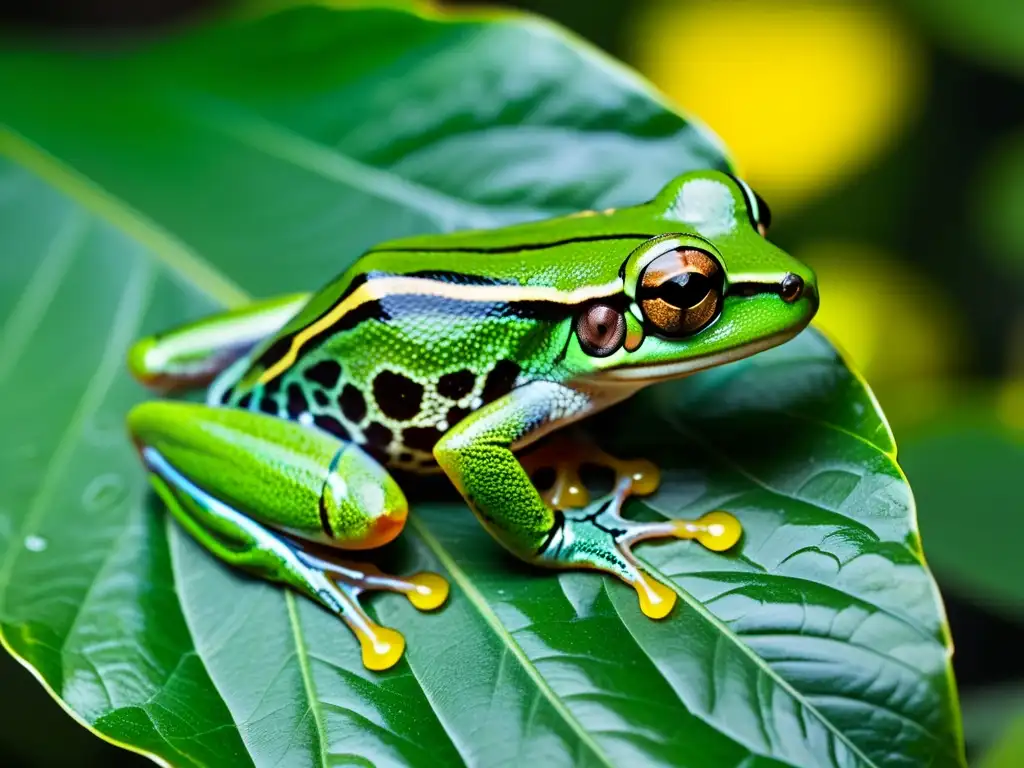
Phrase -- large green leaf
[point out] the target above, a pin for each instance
(968, 467)
(144, 188)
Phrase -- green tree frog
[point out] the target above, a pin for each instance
(454, 352)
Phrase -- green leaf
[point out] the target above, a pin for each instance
(145, 188)
(989, 712)
(967, 468)
(1008, 752)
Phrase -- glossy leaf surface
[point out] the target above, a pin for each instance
(145, 188)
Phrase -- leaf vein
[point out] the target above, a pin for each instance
(42, 287)
(478, 601)
(307, 675)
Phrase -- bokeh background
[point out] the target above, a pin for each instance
(888, 138)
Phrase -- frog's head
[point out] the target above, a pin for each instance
(709, 290)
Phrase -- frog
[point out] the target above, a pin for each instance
(460, 353)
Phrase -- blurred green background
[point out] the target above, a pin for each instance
(888, 138)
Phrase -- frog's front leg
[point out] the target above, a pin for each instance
(191, 355)
(231, 477)
(477, 455)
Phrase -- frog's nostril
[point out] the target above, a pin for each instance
(791, 288)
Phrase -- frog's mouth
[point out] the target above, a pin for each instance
(648, 374)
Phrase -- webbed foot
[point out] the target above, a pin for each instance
(567, 457)
(381, 646)
(598, 536)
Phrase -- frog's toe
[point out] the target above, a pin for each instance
(555, 467)
(381, 648)
(430, 591)
(425, 590)
(599, 537)
(342, 589)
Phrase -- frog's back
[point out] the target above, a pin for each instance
(564, 253)
(420, 332)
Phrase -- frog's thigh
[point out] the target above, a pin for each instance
(192, 355)
(565, 456)
(220, 470)
(477, 455)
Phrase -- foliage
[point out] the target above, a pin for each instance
(969, 518)
(252, 158)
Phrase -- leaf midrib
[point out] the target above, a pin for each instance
(177, 257)
(275, 141)
(42, 286)
(478, 601)
(309, 685)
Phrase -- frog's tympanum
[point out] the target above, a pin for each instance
(454, 352)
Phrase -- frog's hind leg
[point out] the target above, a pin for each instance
(564, 458)
(224, 473)
(192, 355)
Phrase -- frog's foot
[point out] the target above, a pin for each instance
(597, 536)
(381, 646)
(244, 543)
(567, 457)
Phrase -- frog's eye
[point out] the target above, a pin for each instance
(680, 292)
(601, 330)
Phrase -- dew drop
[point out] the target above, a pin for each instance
(36, 543)
(103, 431)
(104, 492)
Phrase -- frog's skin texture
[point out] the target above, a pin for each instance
(451, 353)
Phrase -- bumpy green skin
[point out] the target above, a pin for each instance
(477, 455)
(453, 351)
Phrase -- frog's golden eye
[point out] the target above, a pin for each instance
(680, 292)
(601, 330)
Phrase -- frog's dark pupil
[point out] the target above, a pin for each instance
(686, 290)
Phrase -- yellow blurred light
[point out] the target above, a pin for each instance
(802, 92)
(891, 323)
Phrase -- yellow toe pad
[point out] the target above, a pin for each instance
(430, 591)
